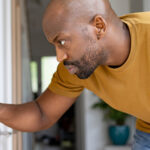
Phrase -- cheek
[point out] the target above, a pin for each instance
(82, 42)
(77, 50)
(88, 34)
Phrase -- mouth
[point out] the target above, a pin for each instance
(72, 69)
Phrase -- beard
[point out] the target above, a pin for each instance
(87, 64)
(83, 68)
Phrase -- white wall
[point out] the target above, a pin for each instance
(136, 5)
(146, 5)
(121, 7)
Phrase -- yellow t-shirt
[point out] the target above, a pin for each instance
(126, 88)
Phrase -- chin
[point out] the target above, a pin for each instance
(81, 76)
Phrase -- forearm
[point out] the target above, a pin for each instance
(36, 115)
(24, 117)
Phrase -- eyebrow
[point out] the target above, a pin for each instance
(53, 40)
(56, 37)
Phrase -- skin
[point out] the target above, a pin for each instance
(85, 33)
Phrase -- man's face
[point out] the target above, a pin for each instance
(80, 45)
(88, 55)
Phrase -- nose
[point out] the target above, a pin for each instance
(61, 55)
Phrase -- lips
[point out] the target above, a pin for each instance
(72, 69)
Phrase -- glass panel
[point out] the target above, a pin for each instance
(48, 67)
(34, 76)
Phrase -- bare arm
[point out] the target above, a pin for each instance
(35, 115)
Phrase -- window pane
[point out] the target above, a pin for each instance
(34, 76)
(49, 66)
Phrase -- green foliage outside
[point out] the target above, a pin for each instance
(111, 113)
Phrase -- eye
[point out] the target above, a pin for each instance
(62, 42)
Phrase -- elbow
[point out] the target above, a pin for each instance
(45, 124)
(42, 124)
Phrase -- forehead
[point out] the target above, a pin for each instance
(53, 28)
(58, 18)
(54, 23)
(58, 26)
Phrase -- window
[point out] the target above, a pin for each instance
(48, 67)
(34, 76)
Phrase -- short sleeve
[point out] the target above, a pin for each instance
(65, 84)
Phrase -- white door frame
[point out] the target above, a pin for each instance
(6, 142)
(10, 66)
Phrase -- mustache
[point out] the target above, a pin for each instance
(66, 63)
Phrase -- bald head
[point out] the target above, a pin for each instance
(81, 8)
(61, 12)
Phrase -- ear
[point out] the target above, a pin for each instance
(100, 25)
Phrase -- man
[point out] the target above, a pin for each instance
(98, 51)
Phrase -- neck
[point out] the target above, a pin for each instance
(120, 45)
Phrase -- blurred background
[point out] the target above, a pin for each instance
(82, 127)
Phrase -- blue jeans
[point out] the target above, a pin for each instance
(141, 141)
